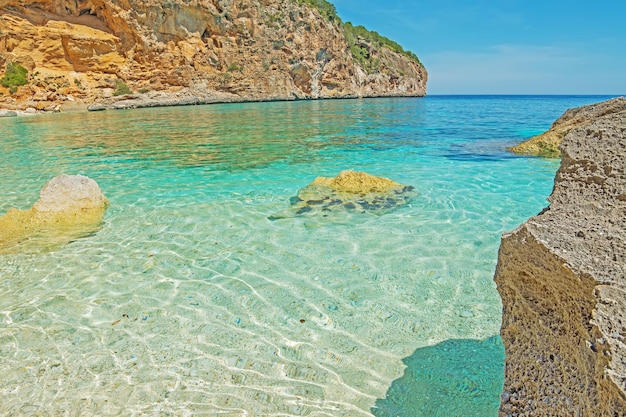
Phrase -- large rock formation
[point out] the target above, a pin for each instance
(562, 278)
(351, 191)
(191, 51)
(547, 144)
(69, 206)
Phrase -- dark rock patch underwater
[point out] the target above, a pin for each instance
(350, 191)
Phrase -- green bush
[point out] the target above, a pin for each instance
(14, 76)
(234, 67)
(361, 55)
(121, 88)
(325, 8)
(352, 33)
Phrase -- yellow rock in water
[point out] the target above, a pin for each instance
(69, 207)
(358, 182)
(350, 191)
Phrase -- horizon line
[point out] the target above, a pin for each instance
(528, 94)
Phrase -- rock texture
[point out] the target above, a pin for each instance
(349, 191)
(78, 51)
(69, 206)
(562, 278)
(547, 144)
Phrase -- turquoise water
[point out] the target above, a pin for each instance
(190, 301)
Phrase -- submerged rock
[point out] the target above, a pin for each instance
(7, 113)
(349, 191)
(547, 144)
(69, 206)
(562, 278)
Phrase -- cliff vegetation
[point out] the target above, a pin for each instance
(360, 40)
(15, 76)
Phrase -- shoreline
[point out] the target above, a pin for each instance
(186, 97)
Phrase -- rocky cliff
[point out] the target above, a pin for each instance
(79, 52)
(562, 278)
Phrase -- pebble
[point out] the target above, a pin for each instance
(7, 113)
(466, 313)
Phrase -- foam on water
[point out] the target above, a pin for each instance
(190, 301)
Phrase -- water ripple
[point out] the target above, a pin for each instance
(189, 301)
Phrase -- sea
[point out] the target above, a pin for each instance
(195, 299)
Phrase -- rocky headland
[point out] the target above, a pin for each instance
(547, 144)
(120, 54)
(562, 278)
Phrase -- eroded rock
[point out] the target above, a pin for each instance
(69, 206)
(547, 144)
(562, 278)
(349, 191)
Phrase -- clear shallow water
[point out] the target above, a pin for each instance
(189, 301)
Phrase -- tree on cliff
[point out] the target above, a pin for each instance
(14, 76)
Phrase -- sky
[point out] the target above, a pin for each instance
(506, 46)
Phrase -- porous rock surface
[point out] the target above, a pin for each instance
(188, 51)
(349, 191)
(69, 206)
(547, 144)
(562, 278)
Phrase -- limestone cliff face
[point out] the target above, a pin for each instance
(562, 278)
(76, 50)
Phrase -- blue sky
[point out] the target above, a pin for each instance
(506, 46)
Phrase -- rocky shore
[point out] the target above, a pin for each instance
(195, 95)
(562, 279)
(547, 144)
(8, 113)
